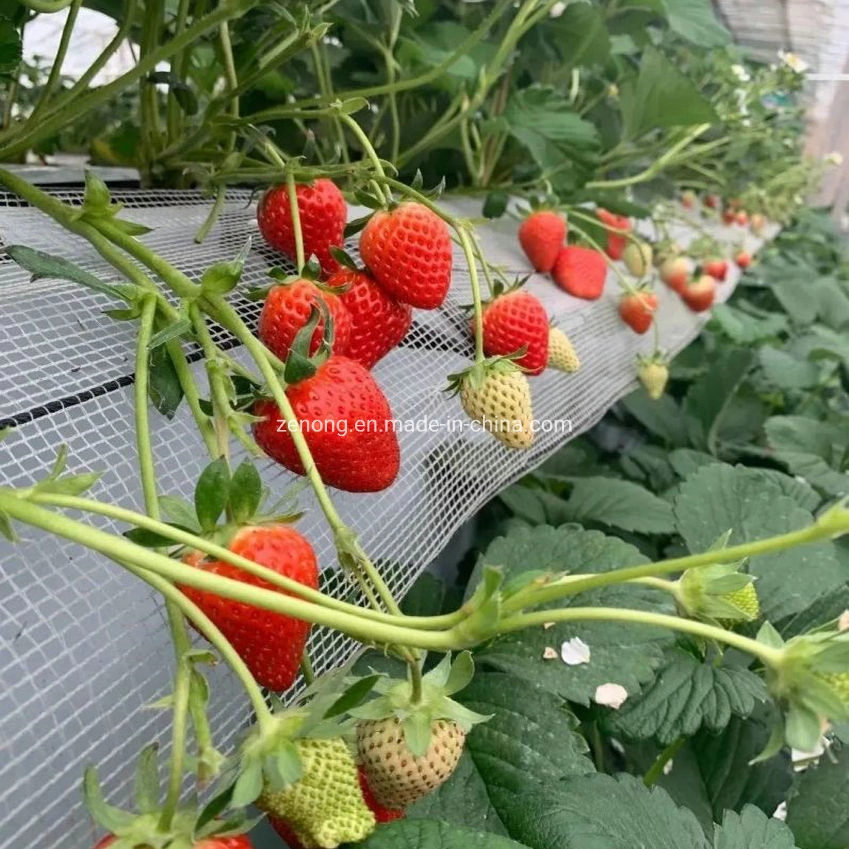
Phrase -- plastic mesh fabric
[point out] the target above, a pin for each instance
(83, 645)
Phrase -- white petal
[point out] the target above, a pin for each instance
(574, 652)
(843, 621)
(610, 695)
(549, 653)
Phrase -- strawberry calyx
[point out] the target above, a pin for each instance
(476, 374)
(145, 829)
(719, 593)
(418, 711)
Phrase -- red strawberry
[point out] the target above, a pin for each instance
(515, 320)
(378, 321)
(580, 272)
(381, 814)
(675, 272)
(637, 309)
(616, 241)
(346, 422)
(323, 214)
(241, 841)
(717, 268)
(729, 216)
(742, 218)
(271, 644)
(287, 309)
(541, 236)
(408, 250)
(712, 201)
(743, 259)
(698, 294)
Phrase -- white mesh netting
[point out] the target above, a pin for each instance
(84, 646)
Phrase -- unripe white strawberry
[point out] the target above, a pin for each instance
(561, 353)
(637, 257)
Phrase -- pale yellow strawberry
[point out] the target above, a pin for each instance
(396, 776)
(638, 257)
(654, 375)
(746, 600)
(501, 401)
(561, 353)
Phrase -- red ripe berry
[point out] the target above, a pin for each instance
(616, 241)
(541, 236)
(581, 272)
(240, 841)
(323, 214)
(698, 294)
(287, 310)
(637, 309)
(717, 268)
(346, 422)
(378, 321)
(742, 218)
(675, 272)
(270, 644)
(712, 201)
(517, 320)
(743, 259)
(408, 251)
(729, 216)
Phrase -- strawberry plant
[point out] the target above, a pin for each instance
(647, 626)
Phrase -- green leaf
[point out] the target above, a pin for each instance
(718, 498)
(818, 812)
(796, 299)
(536, 506)
(785, 371)
(696, 21)
(212, 492)
(11, 46)
(814, 450)
(179, 512)
(802, 493)
(688, 694)
(662, 97)
(43, 265)
(171, 331)
(581, 37)
(752, 829)
(245, 492)
(620, 504)
(546, 125)
(619, 653)
(686, 461)
(663, 417)
(223, 277)
(164, 388)
(709, 397)
(147, 781)
(711, 773)
(743, 327)
(495, 204)
(531, 739)
(432, 834)
(603, 812)
(149, 539)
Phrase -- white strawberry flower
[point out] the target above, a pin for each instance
(741, 73)
(793, 61)
(834, 158)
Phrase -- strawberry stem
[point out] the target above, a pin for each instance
(466, 244)
(656, 770)
(769, 656)
(368, 149)
(291, 191)
(621, 279)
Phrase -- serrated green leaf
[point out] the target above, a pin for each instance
(622, 654)
(619, 504)
(581, 37)
(662, 97)
(785, 371)
(686, 695)
(815, 450)
(211, 493)
(720, 497)
(663, 417)
(711, 773)
(531, 739)
(818, 813)
(695, 20)
(433, 834)
(746, 329)
(179, 512)
(752, 829)
(605, 812)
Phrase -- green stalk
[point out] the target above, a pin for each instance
(468, 250)
(295, 212)
(577, 584)
(58, 61)
(174, 114)
(122, 550)
(147, 472)
(214, 215)
(656, 769)
(769, 656)
(148, 95)
(368, 148)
